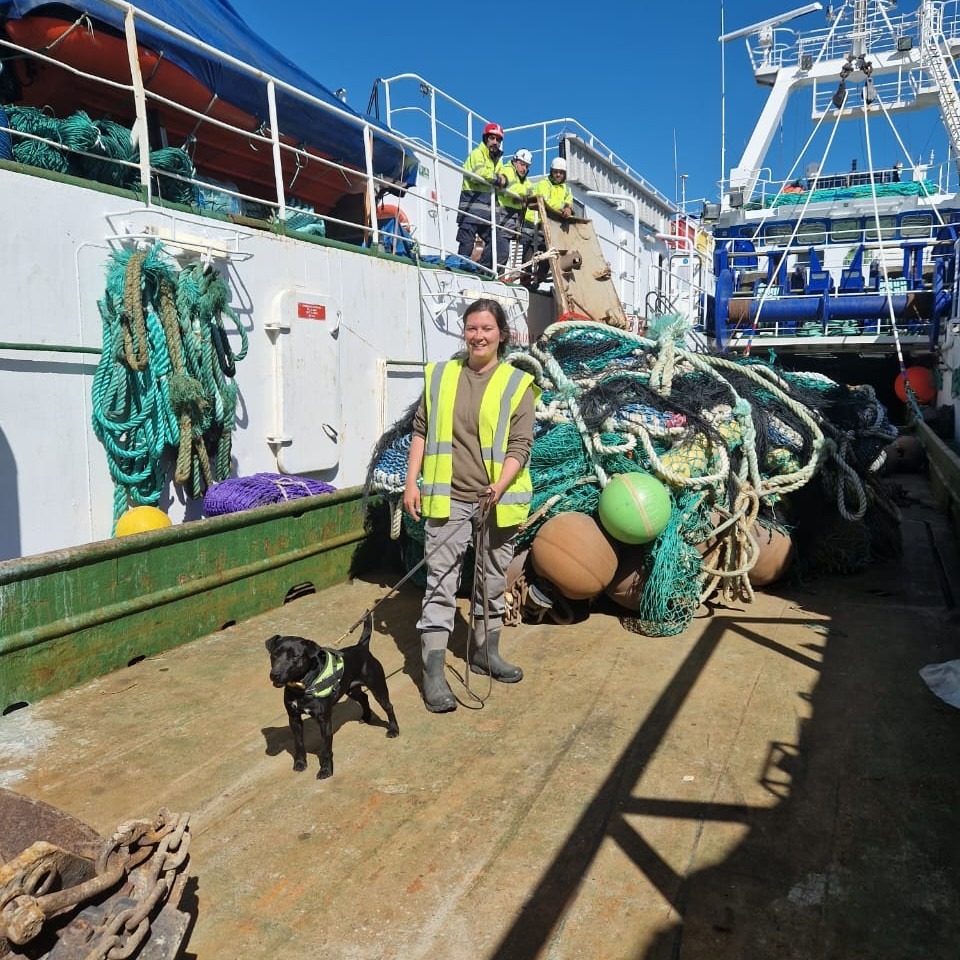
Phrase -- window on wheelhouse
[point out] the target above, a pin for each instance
(843, 231)
(888, 228)
(777, 234)
(914, 225)
(812, 233)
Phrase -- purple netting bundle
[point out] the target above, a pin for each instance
(242, 493)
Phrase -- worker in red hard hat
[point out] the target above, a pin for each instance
(482, 175)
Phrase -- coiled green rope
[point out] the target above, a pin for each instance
(165, 377)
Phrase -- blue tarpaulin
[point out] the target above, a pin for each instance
(217, 24)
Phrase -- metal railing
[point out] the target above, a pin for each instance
(449, 128)
(268, 137)
(881, 34)
(439, 129)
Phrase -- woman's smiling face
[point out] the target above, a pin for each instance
(483, 337)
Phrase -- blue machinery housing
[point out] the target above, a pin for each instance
(808, 300)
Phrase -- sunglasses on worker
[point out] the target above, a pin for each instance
(493, 136)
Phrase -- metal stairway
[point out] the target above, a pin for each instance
(940, 67)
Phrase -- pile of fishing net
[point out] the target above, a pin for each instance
(100, 150)
(748, 453)
(242, 493)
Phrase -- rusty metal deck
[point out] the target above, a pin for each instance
(776, 782)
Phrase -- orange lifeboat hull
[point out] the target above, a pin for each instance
(234, 156)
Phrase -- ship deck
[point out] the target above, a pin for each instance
(776, 782)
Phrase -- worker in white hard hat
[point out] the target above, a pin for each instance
(557, 197)
(512, 204)
(554, 190)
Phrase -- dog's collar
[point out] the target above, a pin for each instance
(327, 682)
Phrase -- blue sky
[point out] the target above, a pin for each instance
(644, 77)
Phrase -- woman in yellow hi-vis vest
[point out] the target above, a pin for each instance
(472, 436)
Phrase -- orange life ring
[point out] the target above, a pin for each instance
(387, 211)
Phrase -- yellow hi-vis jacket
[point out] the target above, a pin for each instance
(500, 399)
(555, 195)
(480, 162)
(515, 192)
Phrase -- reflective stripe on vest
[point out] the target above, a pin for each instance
(440, 393)
(500, 400)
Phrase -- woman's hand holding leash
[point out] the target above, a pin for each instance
(490, 496)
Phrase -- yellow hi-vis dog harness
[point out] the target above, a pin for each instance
(327, 682)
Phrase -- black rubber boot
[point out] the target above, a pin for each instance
(437, 695)
(485, 658)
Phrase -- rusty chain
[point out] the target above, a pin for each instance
(142, 860)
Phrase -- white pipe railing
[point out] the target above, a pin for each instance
(438, 137)
(133, 14)
(635, 238)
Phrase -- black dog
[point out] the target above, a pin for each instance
(314, 678)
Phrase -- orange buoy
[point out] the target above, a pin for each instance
(630, 579)
(389, 211)
(574, 554)
(905, 454)
(921, 383)
(775, 557)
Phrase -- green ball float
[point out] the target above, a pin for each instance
(634, 507)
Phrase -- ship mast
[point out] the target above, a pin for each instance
(914, 54)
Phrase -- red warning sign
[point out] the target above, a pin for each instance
(311, 311)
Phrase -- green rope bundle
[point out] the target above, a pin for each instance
(35, 153)
(177, 162)
(113, 143)
(91, 148)
(132, 416)
(165, 377)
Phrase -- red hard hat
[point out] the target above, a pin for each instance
(493, 128)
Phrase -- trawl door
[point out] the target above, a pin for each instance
(304, 329)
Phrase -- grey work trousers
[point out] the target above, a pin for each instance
(445, 546)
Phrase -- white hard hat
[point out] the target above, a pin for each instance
(524, 156)
(559, 164)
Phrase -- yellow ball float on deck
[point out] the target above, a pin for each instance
(141, 519)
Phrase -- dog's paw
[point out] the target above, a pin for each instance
(299, 765)
(324, 773)
(391, 734)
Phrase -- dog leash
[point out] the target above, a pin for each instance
(479, 580)
(479, 520)
(369, 611)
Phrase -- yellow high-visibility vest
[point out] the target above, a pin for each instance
(500, 399)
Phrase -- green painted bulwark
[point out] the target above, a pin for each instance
(72, 615)
(944, 473)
